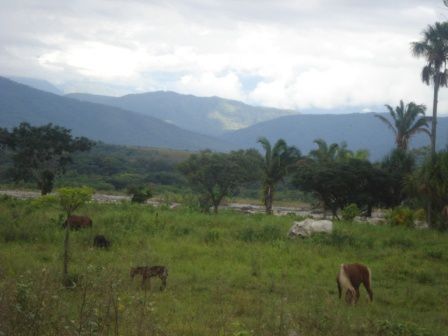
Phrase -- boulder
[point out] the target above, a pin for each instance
(309, 226)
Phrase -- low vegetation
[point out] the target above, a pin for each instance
(229, 274)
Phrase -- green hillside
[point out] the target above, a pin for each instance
(112, 125)
(205, 115)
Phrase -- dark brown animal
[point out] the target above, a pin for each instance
(148, 272)
(101, 242)
(350, 277)
(78, 222)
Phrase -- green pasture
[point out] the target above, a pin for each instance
(229, 274)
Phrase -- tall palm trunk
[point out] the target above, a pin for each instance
(434, 114)
(433, 136)
(268, 198)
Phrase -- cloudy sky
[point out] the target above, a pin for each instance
(291, 54)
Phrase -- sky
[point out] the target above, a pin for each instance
(298, 55)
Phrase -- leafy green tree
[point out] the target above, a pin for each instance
(340, 183)
(42, 152)
(217, 175)
(429, 185)
(434, 48)
(68, 200)
(399, 164)
(278, 162)
(406, 121)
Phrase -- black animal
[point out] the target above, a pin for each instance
(101, 242)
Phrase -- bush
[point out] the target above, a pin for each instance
(350, 212)
(139, 194)
(401, 216)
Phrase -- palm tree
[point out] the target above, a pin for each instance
(434, 48)
(406, 121)
(324, 153)
(277, 162)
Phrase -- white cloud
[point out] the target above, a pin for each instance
(208, 84)
(317, 53)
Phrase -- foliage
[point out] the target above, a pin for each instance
(67, 199)
(406, 122)
(278, 162)
(350, 212)
(40, 153)
(335, 152)
(434, 48)
(337, 184)
(399, 164)
(401, 216)
(429, 186)
(140, 194)
(217, 175)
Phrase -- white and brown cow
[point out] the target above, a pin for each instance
(350, 277)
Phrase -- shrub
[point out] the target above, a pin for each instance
(350, 212)
(401, 216)
(139, 194)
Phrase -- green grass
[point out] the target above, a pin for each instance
(229, 274)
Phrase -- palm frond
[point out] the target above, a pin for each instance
(387, 122)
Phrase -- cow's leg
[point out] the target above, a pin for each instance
(339, 288)
(357, 294)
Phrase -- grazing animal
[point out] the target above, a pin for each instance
(147, 272)
(350, 277)
(101, 242)
(309, 226)
(78, 222)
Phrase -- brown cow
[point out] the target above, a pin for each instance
(147, 272)
(78, 222)
(350, 277)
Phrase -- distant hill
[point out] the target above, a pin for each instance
(206, 115)
(112, 125)
(359, 130)
(39, 84)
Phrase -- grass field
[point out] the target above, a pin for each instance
(229, 274)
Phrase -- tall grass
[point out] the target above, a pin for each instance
(229, 274)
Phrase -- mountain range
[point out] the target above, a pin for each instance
(207, 115)
(19, 103)
(168, 119)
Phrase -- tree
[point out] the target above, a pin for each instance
(68, 200)
(429, 186)
(406, 121)
(324, 152)
(278, 161)
(340, 183)
(399, 164)
(434, 48)
(42, 152)
(217, 175)
(335, 152)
